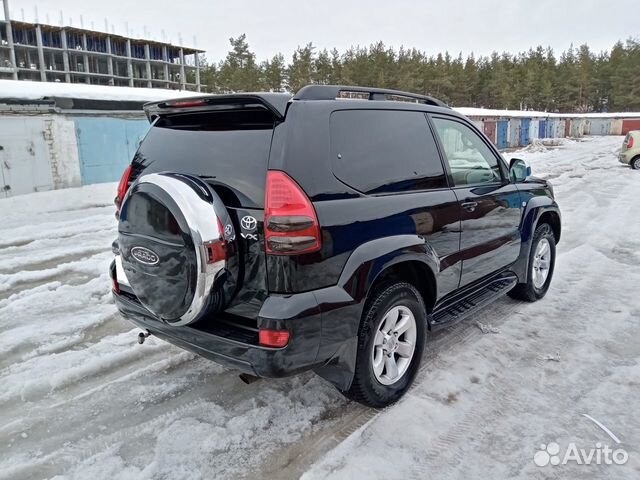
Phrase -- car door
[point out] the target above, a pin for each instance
(490, 206)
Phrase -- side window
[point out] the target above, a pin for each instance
(381, 151)
(470, 160)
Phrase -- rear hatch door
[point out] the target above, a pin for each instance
(225, 141)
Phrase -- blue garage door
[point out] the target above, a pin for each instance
(551, 128)
(503, 132)
(542, 129)
(526, 126)
(106, 146)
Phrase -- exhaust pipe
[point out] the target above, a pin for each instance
(142, 336)
(248, 379)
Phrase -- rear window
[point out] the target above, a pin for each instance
(229, 150)
(384, 151)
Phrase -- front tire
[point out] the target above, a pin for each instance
(635, 163)
(390, 345)
(542, 259)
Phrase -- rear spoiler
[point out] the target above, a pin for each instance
(276, 103)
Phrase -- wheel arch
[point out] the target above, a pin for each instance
(552, 218)
(404, 257)
(538, 210)
(416, 273)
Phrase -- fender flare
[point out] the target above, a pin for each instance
(370, 259)
(534, 209)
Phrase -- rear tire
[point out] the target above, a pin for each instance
(390, 344)
(541, 256)
(635, 163)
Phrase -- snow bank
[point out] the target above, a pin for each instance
(487, 112)
(21, 89)
(39, 90)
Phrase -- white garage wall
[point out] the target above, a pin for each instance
(24, 157)
(63, 151)
(39, 152)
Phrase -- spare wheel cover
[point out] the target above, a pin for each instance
(203, 220)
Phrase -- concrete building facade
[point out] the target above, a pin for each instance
(47, 53)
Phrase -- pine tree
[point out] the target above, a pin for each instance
(323, 71)
(585, 78)
(301, 70)
(274, 74)
(578, 80)
(239, 71)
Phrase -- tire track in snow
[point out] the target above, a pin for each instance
(317, 444)
(449, 451)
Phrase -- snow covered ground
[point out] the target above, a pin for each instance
(80, 399)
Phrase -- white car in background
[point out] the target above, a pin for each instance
(630, 153)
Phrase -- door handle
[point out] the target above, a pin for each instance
(469, 206)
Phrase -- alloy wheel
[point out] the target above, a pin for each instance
(394, 345)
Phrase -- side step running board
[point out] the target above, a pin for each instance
(473, 302)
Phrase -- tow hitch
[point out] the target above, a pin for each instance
(142, 336)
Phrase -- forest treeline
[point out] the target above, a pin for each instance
(577, 80)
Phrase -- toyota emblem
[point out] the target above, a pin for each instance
(248, 223)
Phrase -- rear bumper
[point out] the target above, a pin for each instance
(310, 346)
(626, 156)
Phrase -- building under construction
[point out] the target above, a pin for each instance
(47, 53)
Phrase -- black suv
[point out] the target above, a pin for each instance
(331, 230)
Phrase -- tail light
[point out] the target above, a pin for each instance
(123, 186)
(630, 142)
(273, 338)
(290, 221)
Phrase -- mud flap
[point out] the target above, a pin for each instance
(341, 367)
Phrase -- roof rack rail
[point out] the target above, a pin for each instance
(337, 92)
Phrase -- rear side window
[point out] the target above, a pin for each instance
(382, 151)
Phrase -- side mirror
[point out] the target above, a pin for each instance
(519, 170)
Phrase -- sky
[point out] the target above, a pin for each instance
(280, 26)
